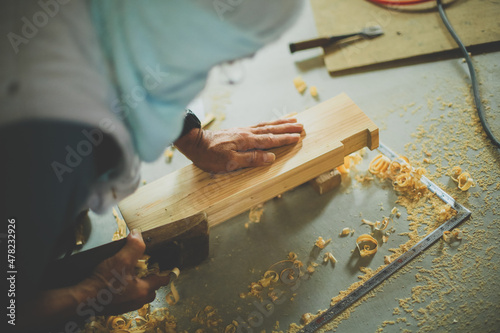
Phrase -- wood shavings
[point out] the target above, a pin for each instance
(367, 245)
(329, 257)
(455, 172)
(299, 84)
(365, 221)
(256, 212)
(117, 323)
(173, 296)
(451, 236)
(387, 260)
(346, 232)
(231, 328)
(144, 311)
(208, 317)
(363, 179)
(321, 243)
(385, 238)
(143, 269)
(313, 91)
(350, 161)
(465, 181)
(379, 165)
(122, 227)
(160, 320)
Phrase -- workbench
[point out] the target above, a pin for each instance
(447, 288)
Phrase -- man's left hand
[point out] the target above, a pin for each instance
(237, 148)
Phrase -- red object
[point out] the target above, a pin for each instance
(398, 2)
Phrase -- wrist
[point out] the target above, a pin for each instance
(190, 142)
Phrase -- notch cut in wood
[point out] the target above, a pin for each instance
(333, 129)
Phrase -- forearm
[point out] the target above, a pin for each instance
(53, 307)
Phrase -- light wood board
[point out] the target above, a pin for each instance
(410, 32)
(334, 129)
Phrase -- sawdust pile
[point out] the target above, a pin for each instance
(461, 283)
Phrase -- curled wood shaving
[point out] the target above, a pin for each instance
(450, 236)
(173, 296)
(321, 243)
(122, 227)
(465, 181)
(403, 176)
(118, 323)
(367, 245)
(447, 236)
(231, 328)
(379, 164)
(350, 161)
(457, 233)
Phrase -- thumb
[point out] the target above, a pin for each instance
(134, 248)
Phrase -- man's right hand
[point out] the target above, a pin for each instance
(117, 274)
(113, 288)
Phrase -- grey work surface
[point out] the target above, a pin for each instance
(398, 100)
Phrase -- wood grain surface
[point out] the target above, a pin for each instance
(333, 129)
(409, 31)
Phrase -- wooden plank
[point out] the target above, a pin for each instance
(334, 129)
(409, 32)
(327, 181)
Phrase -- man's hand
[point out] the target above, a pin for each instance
(236, 148)
(113, 288)
(117, 274)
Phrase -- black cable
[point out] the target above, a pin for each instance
(472, 72)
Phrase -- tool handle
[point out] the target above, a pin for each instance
(308, 44)
(73, 269)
